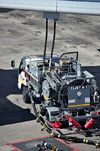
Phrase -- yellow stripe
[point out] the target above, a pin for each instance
(78, 105)
(45, 97)
(52, 134)
(21, 81)
(86, 140)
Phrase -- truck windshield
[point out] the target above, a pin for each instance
(22, 66)
(69, 56)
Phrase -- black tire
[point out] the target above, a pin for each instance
(25, 95)
(47, 116)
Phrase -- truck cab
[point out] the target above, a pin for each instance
(30, 74)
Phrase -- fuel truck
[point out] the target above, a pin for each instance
(59, 89)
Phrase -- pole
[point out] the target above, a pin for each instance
(53, 43)
(46, 36)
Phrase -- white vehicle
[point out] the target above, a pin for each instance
(29, 69)
(60, 91)
(63, 91)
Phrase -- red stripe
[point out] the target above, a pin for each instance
(62, 141)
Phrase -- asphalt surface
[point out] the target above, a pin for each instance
(22, 33)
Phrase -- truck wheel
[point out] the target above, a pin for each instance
(47, 116)
(26, 98)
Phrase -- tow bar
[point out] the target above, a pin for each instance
(68, 138)
(49, 128)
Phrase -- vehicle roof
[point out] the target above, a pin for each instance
(40, 57)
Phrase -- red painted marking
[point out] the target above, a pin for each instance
(11, 144)
(62, 141)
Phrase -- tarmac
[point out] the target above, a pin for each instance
(23, 33)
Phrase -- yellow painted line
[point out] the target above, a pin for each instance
(80, 22)
(78, 105)
(45, 97)
(7, 32)
(22, 81)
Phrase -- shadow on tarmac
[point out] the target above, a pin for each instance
(95, 71)
(5, 10)
(10, 113)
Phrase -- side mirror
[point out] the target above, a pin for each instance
(13, 63)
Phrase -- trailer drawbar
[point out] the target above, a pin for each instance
(68, 138)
